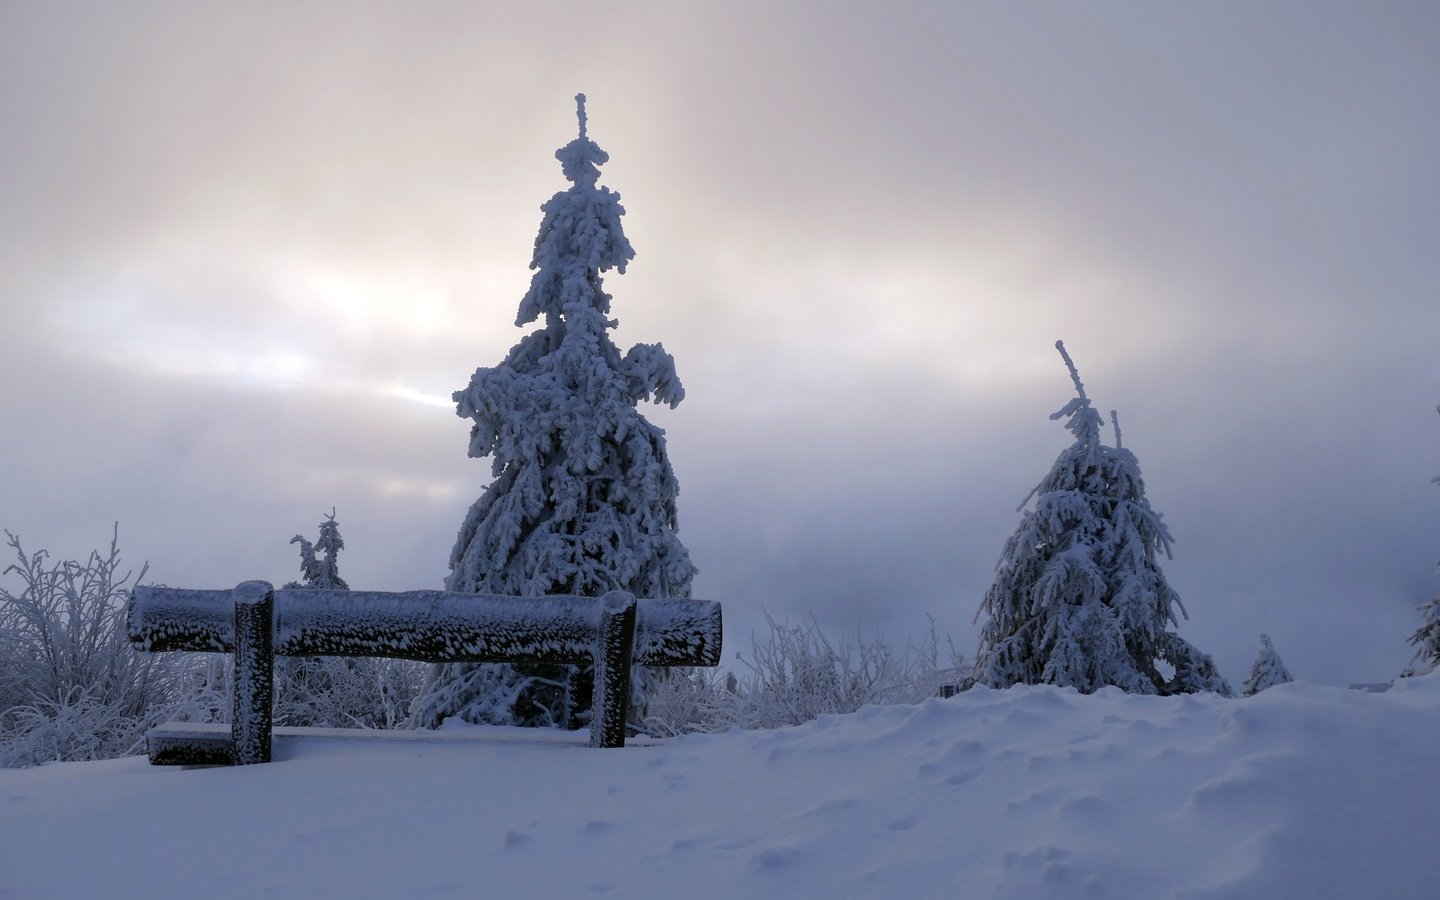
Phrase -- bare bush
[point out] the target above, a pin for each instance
(687, 700)
(349, 692)
(71, 687)
(795, 674)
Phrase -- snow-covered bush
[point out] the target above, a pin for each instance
(71, 687)
(794, 674)
(346, 692)
(1079, 599)
(1267, 671)
(687, 700)
(583, 497)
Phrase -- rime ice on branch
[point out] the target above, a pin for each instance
(583, 499)
(1079, 599)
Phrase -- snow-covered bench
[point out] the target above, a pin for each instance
(256, 623)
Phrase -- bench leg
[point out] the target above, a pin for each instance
(612, 669)
(254, 672)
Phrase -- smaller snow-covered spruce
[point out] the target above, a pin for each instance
(583, 496)
(1079, 598)
(1427, 637)
(321, 571)
(340, 692)
(304, 686)
(1268, 670)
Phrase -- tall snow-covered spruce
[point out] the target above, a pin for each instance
(583, 499)
(1079, 599)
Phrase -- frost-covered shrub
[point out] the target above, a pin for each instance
(797, 673)
(794, 674)
(71, 686)
(80, 726)
(341, 692)
(687, 700)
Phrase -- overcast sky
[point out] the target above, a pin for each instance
(248, 250)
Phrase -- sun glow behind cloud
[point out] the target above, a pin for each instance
(372, 300)
(414, 396)
(124, 330)
(304, 324)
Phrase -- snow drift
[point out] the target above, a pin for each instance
(1301, 791)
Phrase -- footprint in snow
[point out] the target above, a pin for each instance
(516, 838)
(672, 782)
(773, 858)
(957, 754)
(833, 805)
(1086, 808)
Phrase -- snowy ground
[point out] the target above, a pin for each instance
(1300, 792)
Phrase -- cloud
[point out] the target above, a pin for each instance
(247, 253)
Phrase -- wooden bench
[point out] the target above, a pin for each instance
(256, 623)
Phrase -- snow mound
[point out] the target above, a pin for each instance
(1301, 791)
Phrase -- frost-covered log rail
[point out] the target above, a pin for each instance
(615, 632)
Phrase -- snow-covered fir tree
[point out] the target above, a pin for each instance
(321, 571)
(583, 497)
(303, 685)
(333, 691)
(1079, 599)
(1427, 637)
(1268, 670)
